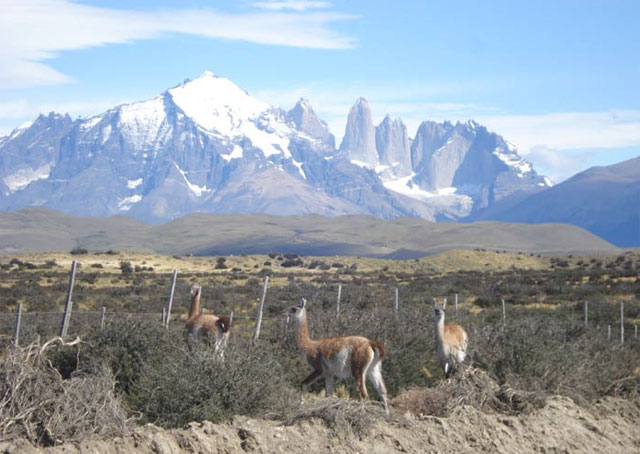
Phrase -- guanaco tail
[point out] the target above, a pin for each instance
(451, 341)
(205, 325)
(340, 357)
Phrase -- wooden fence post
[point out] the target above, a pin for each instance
(504, 312)
(586, 313)
(395, 304)
(456, 303)
(173, 289)
(16, 331)
(621, 323)
(256, 329)
(338, 305)
(104, 311)
(69, 306)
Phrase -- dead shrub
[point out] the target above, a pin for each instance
(473, 387)
(38, 404)
(346, 417)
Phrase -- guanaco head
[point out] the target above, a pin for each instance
(224, 323)
(298, 312)
(195, 290)
(439, 312)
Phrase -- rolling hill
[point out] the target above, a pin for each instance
(40, 229)
(602, 200)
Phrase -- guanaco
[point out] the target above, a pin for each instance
(340, 357)
(205, 325)
(451, 341)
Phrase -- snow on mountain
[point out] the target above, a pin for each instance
(23, 177)
(217, 104)
(207, 145)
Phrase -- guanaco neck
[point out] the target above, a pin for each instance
(440, 331)
(304, 341)
(194, 310)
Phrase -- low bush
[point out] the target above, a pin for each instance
(40, 405)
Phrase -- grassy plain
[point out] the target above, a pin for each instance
(542, 348)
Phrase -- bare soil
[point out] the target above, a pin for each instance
(608, 426)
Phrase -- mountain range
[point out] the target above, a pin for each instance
(602, 200)
(207, 146)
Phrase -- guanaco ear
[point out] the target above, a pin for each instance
(435, 305)
(444, 305)
(303, 303)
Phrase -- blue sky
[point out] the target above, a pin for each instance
(559, 79)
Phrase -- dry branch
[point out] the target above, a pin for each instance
(38, 404)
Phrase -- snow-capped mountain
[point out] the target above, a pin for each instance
(206, 145)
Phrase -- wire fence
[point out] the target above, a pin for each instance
(22, 327)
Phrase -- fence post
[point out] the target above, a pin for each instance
(256, 330)
(586, 313)
(104, 311)
(635, 328)
(164, 315)
(230, 319)
(69, 306)
(395, 304)
(456, 303)
(608, 332)
(621, 323)
(16, 332)
(338, 305)
(173, 289)
(504, 312)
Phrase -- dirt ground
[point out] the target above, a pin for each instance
(609, 426)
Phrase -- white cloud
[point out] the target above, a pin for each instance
(557, 164)
(296, 5)
(32, 31)
(568, 130)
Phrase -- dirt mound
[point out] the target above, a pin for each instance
(561, 426)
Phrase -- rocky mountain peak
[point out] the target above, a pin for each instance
(359, 141)
(306, 120)
(216, 103)
(392, 144)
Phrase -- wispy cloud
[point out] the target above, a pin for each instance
(560, 164)
(34, 31)
(296, 5)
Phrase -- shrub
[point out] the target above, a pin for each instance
(290, 262)
(181, 387)
(79, 251)
(41, 406)
(125, 267)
